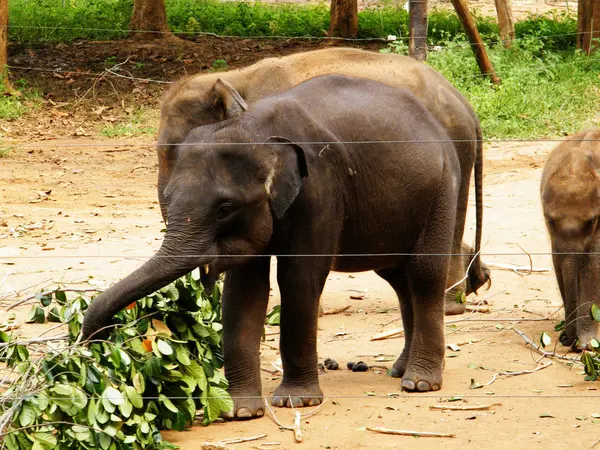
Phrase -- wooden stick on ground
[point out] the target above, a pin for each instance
(410, 433)
(396, 332)
(297, 417)
(337, 310)
(464, 408)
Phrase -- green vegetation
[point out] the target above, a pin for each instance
(50, 21)
(543, 93)
(158, 366)
(134, 124)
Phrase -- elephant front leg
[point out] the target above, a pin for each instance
(245, 299)
(301, 282)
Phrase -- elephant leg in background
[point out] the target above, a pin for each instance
(245, 299)
(399, 281)
(427, 272)
(301, 281)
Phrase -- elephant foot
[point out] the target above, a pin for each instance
(422, 381)
(297, 396)
(245, 408)
(568, 339)
(452, 308)
(399, 367)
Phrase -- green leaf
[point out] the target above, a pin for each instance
(182, 355)
(111, 430)
(126, 408)
(595, 312)
(45, 440)
(475, 385)
(61, 297)
(53, 315)
(164, 347)
(27, 416)
(218, 401)
(36, 315)
(139, 383)
(113, 396)
(559, 326)
(134, 397)
(460, 297)
(168, 403)
(104, 440)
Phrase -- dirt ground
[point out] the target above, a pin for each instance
(75, 205)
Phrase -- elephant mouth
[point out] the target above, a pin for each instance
(208, 276)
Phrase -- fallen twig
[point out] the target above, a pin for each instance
(410, 433)
(272, 347)
(464, 408)
(297, 418)
(242, 439)
(537, 348)
(520, 372)
(337, 310)
(390, 334)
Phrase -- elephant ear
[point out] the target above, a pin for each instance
(285, 180)
(227, 100)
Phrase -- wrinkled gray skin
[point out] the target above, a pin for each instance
(570, 190)
(207, 98)
(396, 202)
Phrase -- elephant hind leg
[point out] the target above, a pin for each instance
(398, 280)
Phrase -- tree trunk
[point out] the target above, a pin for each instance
(343, 19)
(505, 21)
(4, 45)
(417, 36)
(476, 43)
(588, 25)
(149, 20)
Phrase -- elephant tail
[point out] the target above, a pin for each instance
(478, 270)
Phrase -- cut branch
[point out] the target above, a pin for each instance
(410, 433)
(537, 348)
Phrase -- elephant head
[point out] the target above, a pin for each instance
(183, 110)
(223, 201)
(570, 192)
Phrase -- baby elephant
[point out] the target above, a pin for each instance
(570, 192)
(300, 176)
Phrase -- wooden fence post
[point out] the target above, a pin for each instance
(343, 19)
(476, 43)
(505, 22)
(417, 35)
(4, 45)
(588, 25)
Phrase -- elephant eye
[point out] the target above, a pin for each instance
(551, 222)
(590, 223)
(225, 210)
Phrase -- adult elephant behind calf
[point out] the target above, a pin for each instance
(207, 98)
(350, 207)
(570, 191)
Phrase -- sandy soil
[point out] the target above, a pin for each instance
(102, 209)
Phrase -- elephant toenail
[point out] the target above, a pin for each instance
(243, 413)
(396, 373)
(408, 385)
(423, 386)
(227, 415)
(278, 401)
(260, 413)
(296, 401)
(436, 387)
(314, 402)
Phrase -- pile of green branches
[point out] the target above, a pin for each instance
(159, 365)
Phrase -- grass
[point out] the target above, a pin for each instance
(14, 106)
(543, 93)
(40, 21)
(134, 124)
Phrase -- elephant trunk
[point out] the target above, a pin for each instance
(163, 268)
(570, 278)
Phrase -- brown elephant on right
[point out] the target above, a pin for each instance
(203, 99)
(570, 191)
